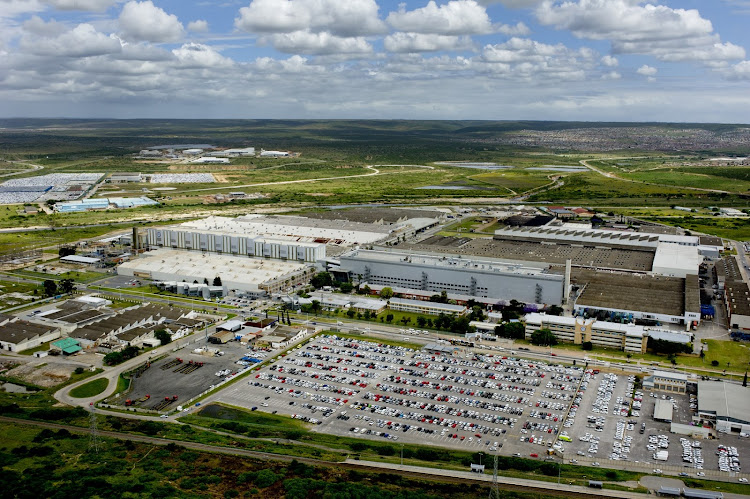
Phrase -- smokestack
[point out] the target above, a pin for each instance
(135, 243)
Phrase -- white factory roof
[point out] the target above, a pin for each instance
(235, 271)
(660, 334)
(301, 229)
(79, 259)
(676, 260)
(663, 410)
(671, 375)
(434, 305)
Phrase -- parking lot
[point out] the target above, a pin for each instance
(188, 372)
(381, 392)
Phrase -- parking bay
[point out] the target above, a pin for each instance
(344, 385)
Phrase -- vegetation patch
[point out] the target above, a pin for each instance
(90, 389)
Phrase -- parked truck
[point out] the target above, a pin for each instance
(661, 455)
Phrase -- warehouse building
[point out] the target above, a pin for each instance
(254, 276)
(454, 274)
(234, 153)
(17, 335)
(125, 177)
(425, 307)
(235, 243)
(724, 405)
(663, 410)
(637, 296)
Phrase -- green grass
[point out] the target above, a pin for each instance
(385, 341)
(735, 354)
(90, 389)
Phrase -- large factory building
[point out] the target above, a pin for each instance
(454, 274)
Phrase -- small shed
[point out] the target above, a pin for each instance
(67, 346)
(221, 337)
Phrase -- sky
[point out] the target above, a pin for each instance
(591, 60)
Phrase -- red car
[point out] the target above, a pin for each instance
(534, 455)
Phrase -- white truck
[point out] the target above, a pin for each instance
(661, 455)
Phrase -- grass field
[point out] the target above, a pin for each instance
(90, 389)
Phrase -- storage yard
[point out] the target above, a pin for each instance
(491, 403)
(187, 373)
(53, 186)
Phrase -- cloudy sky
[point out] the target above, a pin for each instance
(624, 60)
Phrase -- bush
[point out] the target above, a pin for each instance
(266, 478)
(587, 345)
(715, 363)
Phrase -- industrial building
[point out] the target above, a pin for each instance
(627, 337)
(665, 381)
(474, 277)
(125, 177)
(17, 335)
(724, 405)
(663, 410)
(736, 293)
(378, 216)
(103, 204)
(425, 307)
(224, 236)
(253, 276)
(274, 154)
(205, 160)
(234, 153)
(637, 296)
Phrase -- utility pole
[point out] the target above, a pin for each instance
(494, 489)
(94, 433)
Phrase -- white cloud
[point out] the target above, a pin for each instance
(324, 43)
(519, 29)
(418, 42)
(12, 8)
(636, 27)
(513, 4)
(612, 75)
(81, 41)
(196, 55)
(199, 26)
(610, 61)
(86, 5)
(528, 59)
(739, 71)
(647, 70)
(348, 18)
(457, 17)
(143, 21)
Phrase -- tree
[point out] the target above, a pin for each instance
(66, 251)
(744, 380)
(543, 337)
(715, 363)
(386, 293)
(512, 330)
(555, 310)
(366, 290)
(50, 287)
(321, 279)
(367, 315)
(587, 345)
(205, 281)
(351, 313)
(67, 286)
(346, 287)
(421, 321)
(316, 307)
(477, 314)
(163, 336)
(702, 355)
(217, 281)
(389, 318)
